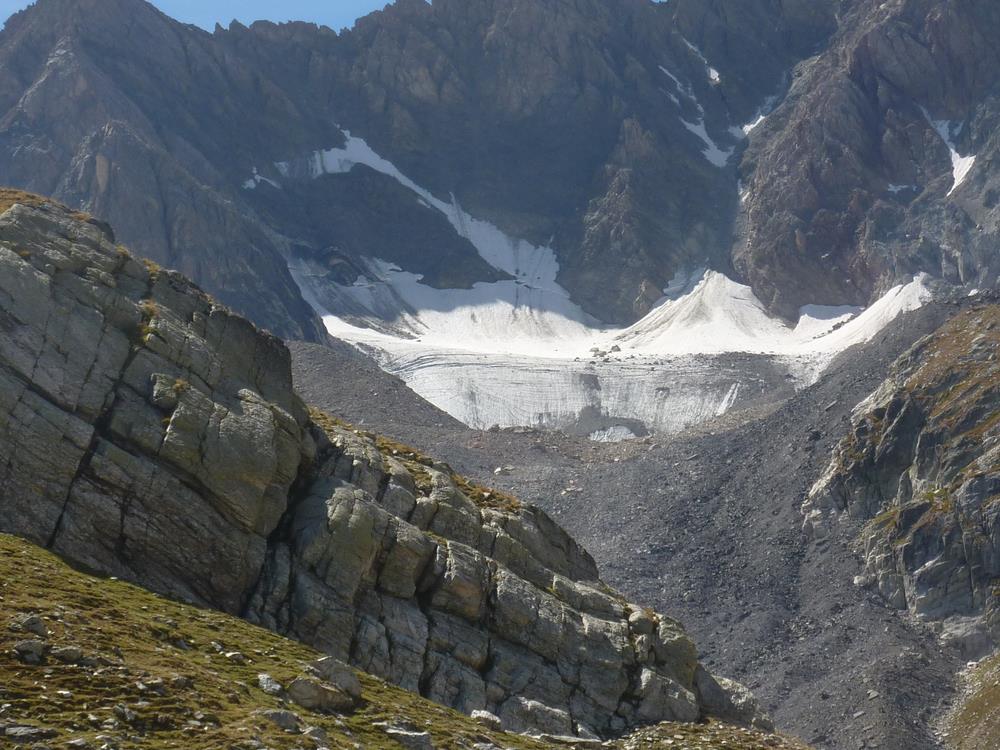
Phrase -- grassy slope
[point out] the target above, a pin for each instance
(140, 635)
(10, 196)
(974, 724)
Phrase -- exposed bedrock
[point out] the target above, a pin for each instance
(921, 466)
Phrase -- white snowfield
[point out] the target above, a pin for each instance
(521, 353)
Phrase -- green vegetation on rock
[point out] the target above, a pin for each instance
(417, 463)
(974, 724)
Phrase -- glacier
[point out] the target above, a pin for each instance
(520, 352)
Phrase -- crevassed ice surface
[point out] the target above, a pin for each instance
(520, 352)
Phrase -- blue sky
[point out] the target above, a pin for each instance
(334, 13)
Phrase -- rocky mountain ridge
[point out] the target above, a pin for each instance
(187, 462)
(614, 133)
(878, 161)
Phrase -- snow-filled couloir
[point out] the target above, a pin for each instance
(520, 352)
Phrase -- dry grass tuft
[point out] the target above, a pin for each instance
(10, 196)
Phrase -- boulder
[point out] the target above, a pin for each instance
(316, 695)
(663, 697)
(487, 719)
(30, 651)
(269, 685)
(286, 720)
(30, 624)
(519, 714)
(336, 673)
(67, 654)
(410, 739)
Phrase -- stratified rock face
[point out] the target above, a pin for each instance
(922, 468)
(150, 433)
(479, 605)
(138, 414)
(866, 172)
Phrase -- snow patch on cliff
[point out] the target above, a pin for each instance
(960, 165)
(712, 151)
(529, 264)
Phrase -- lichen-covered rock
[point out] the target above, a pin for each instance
(187, 463)
(921, 469)
(336, 673)
(30, 651)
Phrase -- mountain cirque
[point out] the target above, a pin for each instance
(822, 152)
(187, 463)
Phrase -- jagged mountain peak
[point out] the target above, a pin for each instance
(447, 91)
(93, 18)
(611, 111)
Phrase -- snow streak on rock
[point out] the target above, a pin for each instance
(712, 151)
(960, 165)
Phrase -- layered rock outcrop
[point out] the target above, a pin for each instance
(148, 432)
(921, 469)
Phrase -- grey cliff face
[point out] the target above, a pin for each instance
(575, 125)
(113, 107)
(920, 469)
(850, 184)
(139, 413)
(153, 434)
